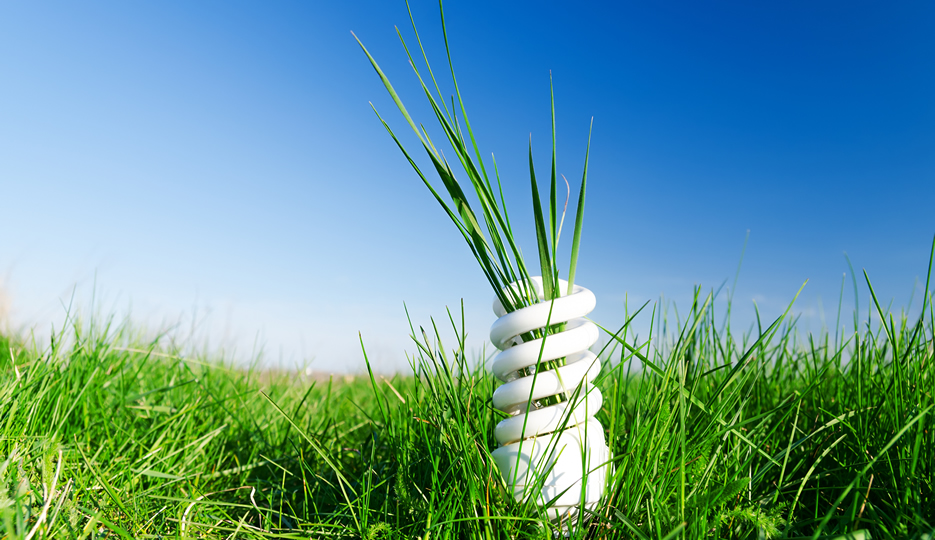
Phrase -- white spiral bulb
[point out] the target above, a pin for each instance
(550, 448)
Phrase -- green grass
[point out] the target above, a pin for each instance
(768, 433)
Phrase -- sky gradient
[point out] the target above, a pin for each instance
(217, 167)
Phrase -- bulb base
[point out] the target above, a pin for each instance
(553, 467)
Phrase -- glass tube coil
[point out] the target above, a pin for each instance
(551, 440)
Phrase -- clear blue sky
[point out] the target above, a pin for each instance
(221, 159)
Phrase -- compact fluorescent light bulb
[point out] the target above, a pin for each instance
(551, 447)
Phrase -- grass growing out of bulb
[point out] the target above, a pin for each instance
(765, 433)
(496, 251)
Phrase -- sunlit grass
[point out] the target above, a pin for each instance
(769, 434)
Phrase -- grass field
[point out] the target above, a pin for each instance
(715, 432)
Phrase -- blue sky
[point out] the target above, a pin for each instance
(218, 166)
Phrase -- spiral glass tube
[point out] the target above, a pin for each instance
(551, 440)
